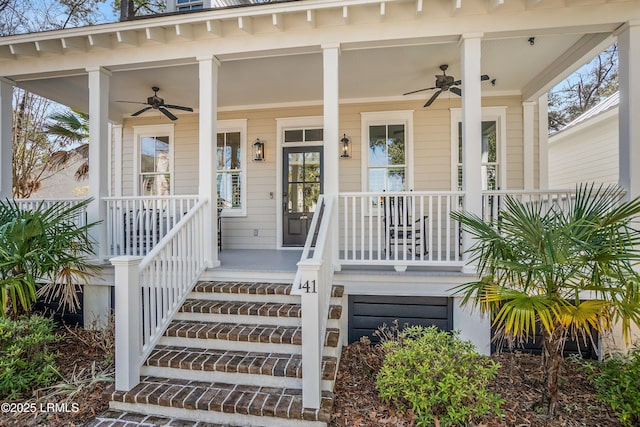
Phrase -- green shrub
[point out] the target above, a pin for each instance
(618, 384)
(26, 360)
(439, 376)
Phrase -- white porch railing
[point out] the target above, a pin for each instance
(80, 219)
(149, 291)
(399, 228)
(493, 201)
(136, 224)
(314, 281)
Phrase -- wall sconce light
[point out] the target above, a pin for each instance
(258, 151)
(345, 147)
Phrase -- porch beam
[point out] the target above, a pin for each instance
(577, 55)
(208, 75)
(528, 148)
(629, 109)
(99, 81)
(471, 46)
(6, 124)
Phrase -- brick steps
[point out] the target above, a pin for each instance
(272, 369)
(206, 401)
(227, 338)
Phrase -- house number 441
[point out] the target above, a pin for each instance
(309, 286)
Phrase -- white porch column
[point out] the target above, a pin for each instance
(543, 142)
(208, 66)
(471, 131)
(331, 103)
(629, 110)
(6, 140)
(528, 137)
(99, 79)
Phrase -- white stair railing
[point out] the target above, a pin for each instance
(150, 291)
(314, 280)
(136, 224)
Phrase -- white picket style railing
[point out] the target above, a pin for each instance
(399, 228)
(136, 224)
(80, 219)
(150, 291)
(493, 201)
(314, 281)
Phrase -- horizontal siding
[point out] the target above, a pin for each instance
(590, 154)
(431, 159)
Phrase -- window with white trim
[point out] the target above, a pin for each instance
(387, 148)
(231, 169)
(154, 162)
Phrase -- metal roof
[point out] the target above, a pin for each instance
(606, 105)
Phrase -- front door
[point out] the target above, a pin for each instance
(302, 184)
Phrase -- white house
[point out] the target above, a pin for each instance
(300, 121)
(586, 150)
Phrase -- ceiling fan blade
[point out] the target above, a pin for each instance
(484, 77)
(141, 111)
(433, 98)
(178, 107)
(134, 102)
(168, 114)
(456, 83)
(456, 90)
(419, 90)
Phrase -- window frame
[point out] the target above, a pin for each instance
(146, 131)
(497, 114)
(387, 118)
(228, 126)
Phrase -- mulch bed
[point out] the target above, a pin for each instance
(357, 402)
(74, 356)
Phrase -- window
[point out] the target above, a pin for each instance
(184, 5)
(493, 148)
(312, 135)
(154, 160)
(387, 151)
(231, 169)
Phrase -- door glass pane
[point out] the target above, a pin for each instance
(293, 135)
(296, 167)
(377, 145)
(311, 194)
(296, 198)
(313, 135)
(312, 167)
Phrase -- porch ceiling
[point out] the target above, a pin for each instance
(365, 73)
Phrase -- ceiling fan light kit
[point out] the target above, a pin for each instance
(157, 103)
(444, 83)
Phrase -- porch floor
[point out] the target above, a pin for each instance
(268, 260)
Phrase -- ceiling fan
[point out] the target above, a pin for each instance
(157, 103)
(444, 83)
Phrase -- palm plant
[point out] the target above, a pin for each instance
(72, 127)
(567, 272)
(44, 245)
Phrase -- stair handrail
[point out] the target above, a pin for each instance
(150, 291)
(314, 281)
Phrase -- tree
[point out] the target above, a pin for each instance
(139, 7)
(584, 89)
(72, 128)
(538, 266)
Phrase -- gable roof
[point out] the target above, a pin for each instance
(610, 102)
